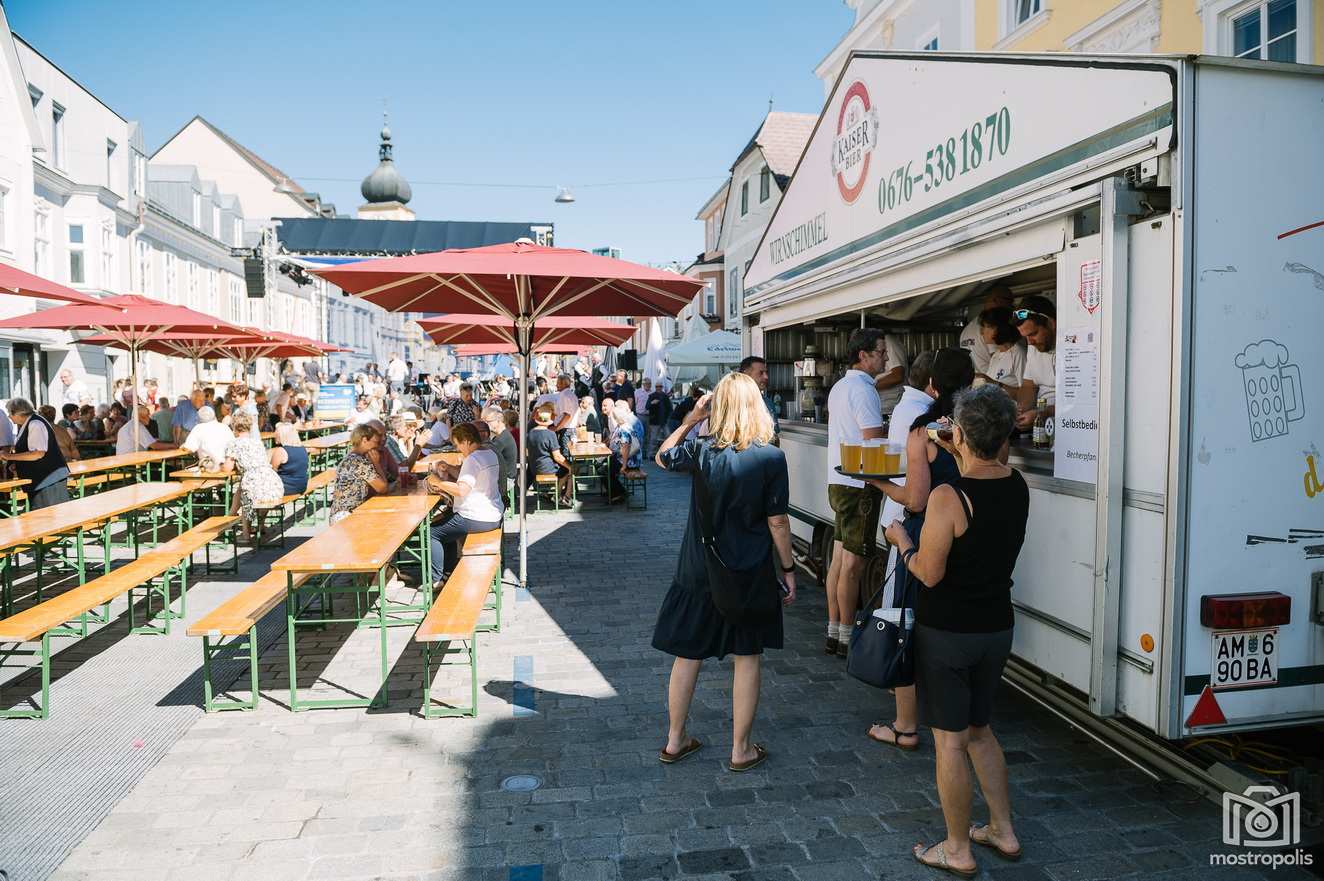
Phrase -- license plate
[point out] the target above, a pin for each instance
(1244, 657)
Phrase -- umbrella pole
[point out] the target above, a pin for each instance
(133, 379)
(523, 453)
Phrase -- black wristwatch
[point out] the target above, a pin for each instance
(790, 568)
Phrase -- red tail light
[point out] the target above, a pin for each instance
(1244, 611)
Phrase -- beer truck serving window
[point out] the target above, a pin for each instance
(1176, 520)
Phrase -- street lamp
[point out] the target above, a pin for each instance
(564, 196)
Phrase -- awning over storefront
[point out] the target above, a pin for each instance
(721, 347)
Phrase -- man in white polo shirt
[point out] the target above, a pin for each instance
(855, 414)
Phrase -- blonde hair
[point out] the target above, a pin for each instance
(738, 415)
(241, 422)
(287, 436)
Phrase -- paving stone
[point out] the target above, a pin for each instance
(353, 793)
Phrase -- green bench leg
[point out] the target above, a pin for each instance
(43, 709)
(209, 701)
(431, 712)
(495, 606)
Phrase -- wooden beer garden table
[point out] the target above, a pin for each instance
(48, 528)
(320, 449)
(597, 459)
(361, 545)
(127, 463)
(12, 488)
(316, 427)
(425, 463)
(98, 447)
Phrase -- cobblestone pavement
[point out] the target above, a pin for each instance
(572, 694)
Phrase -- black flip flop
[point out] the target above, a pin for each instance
(760, 755)
(896, 735)
(690, 748)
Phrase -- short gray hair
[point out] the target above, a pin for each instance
(987, 416)
(206, 414)
(19, 407)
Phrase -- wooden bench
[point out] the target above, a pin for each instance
(549, 483)
(319, 485)
(484, 544)
(634, 480)
(454, 618)
(236, 619)
(153, 572)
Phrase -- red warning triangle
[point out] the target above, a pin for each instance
(1207, 711)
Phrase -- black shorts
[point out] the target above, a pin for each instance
(957, 676)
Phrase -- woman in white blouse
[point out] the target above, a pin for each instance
(475, 489)
(1006, 365)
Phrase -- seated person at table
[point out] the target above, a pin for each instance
(501, 442)
(586, 416)
(112, 420)
(627, 444)
(185, 415)
(68, 413)
(358, 476)
(63, 436)
(259, 487)
(208, 440)
(403, 439)
(290, 460)
(87, 426)
(134, 437)
(36, 456)
(476, 491)
(544, 453)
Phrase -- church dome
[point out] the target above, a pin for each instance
(386, 184)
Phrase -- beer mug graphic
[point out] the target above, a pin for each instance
(1273, 389)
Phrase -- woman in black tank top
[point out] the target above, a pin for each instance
(973, 532)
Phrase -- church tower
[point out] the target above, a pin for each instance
(386, 191)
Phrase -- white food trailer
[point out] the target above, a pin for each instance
(1173, 570)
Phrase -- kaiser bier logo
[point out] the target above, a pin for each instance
(857, 136)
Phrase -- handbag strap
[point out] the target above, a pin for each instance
(707, 531)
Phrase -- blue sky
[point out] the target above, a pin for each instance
(568, 93)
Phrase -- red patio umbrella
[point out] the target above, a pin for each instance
(522, 282)
(15, 281)
(455, 329)
(131, 320)
(478, 350)
(184, 344)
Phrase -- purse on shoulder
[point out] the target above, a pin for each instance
(742, 596)
(882, 652)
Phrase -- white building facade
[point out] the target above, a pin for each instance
(902, 26)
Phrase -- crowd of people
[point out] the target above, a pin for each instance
(955, 526)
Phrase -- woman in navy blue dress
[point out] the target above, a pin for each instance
(748, 487)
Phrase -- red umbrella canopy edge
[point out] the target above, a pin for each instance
(16, 281)
(131, 319)
(457, 328)
(516, 279)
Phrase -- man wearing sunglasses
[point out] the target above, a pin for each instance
(1036, 319)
